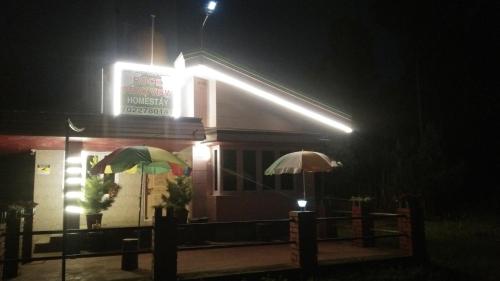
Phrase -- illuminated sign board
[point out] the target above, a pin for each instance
(143, 90)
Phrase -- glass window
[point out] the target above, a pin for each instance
(268, 182)
(249, 170)
(229, 170)
(286, 179)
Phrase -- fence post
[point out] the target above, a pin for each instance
(164, 246)
(27, 234)
(411, 226)
(303, 237)
(10, 267)
(362, 224)
(2, 241)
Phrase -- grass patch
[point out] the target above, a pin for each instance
(467, 246)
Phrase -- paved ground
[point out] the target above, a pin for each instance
(199, 262)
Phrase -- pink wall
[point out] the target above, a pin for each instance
(251, 206)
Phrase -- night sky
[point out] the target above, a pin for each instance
(372, 59)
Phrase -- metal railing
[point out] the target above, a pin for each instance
(214, 245)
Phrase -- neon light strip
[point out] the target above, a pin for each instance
(207, 72)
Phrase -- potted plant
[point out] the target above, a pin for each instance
(99, 195)
(179, 195)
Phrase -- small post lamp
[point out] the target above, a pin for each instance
(302, 204)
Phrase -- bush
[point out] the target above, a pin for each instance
(99, 194)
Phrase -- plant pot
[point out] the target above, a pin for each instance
(181, 215)
(93, 219)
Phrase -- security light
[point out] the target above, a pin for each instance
(211, 6)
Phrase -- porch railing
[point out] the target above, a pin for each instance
(302, 229)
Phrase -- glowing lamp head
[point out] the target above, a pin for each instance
(211, 6)
(201, 152)
(302, 203)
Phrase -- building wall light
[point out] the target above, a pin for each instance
(74, 160)
(201, 152)
(74, 209)
(74, 195)
(73, 180)
(74, 171)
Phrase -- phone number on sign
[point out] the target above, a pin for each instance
(147, 111)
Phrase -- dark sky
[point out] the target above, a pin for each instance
(340, 52)
(369, 58)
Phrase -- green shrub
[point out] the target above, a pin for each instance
(99, 194)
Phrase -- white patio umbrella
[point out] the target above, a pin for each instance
(301, 162)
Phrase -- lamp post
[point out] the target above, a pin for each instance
(209, 9)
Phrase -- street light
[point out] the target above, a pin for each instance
(211, 6)
(209, 9)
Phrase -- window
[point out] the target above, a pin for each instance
(268, 182)
(229, 172)
(286, 179)
(249, 170)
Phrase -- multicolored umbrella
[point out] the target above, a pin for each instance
(301, 162)
(146, 159)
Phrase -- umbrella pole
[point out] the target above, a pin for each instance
(140, 197)
(304, 184)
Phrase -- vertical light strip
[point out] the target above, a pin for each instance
(117, 88)
(72, 195)
(189, 96)
(176, 96)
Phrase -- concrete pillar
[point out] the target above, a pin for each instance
(411, 226)
(362, 224)
(164, 265)
(303, 237)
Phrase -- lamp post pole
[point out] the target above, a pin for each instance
(152, 37)
(210, 8)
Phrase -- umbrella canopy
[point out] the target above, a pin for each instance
(301, 161)
(149, 160)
